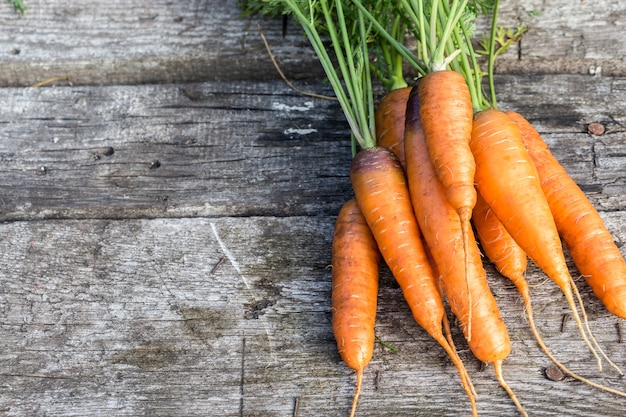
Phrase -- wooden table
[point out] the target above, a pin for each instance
(167, 208)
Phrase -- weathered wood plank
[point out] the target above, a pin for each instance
(130, 42)
(147, 289)
(210, 149)
(569, 37)
(231, 317)
(122, 42)
(247, 148)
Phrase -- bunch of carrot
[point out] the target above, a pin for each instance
(438, 168)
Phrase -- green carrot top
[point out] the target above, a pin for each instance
(367, 37)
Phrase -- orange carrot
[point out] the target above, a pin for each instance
(500, 247)
(445, 110)
(390, 121)
(441, 226)
(355, 260)
(511, 261)
(588, 240)
(446, 115)
(381, 191)
(509, 183)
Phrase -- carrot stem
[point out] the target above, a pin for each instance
(492, 54)
(351, 82)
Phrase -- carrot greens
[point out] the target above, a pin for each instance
(18, 6)
(346, 62)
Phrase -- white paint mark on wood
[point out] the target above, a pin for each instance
(286, 108)
(292, 131)
(228, 254)
(235, 264)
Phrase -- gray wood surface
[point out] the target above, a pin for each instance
(167, 220)
(133, 42)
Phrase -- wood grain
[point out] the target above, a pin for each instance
(129, 317)
(175, 150)
(167, 210)
(122, 42)
(250, 148)
(129, 42)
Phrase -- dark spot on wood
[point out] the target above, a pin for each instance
(42, 170)
(208, 323)
(108, 151)
(596, 129)
(15, 51)
(155, 164)
(591, 188)
(553, 373)
(148, 357)
(564, 321)
(193, 95)
(147, 18)
(217, 265)
(257, 309)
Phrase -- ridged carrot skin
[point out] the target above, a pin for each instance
(389, 121)
(499, 247)
(355, 263)
(445, 111)
(511, 262)
(446, 114)
(383, 196)
(442, 231)
(508, 180)
(580, 225)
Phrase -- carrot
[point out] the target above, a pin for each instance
(446, 116)
(588, 240)
(390, 121)
(355, 260)
(508, 180)
(382, 194)
(442, 229)
(446, 113)
(500, 248)
(511, 261)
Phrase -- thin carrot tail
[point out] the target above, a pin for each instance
(569, 291)
(465, 379)
(591, 336)
(448, 334)
(466, 228)
(357, 392)
(450, 348)
(544, 348)
(497, 366)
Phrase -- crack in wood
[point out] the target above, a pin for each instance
(242, 378)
